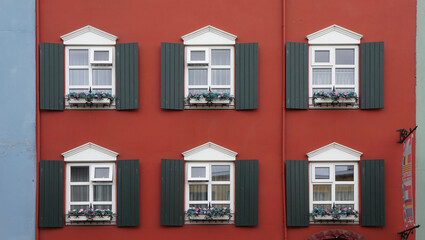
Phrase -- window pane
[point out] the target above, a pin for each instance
(80, 193)
(78, 57)
(344, 76)
(220, 76)
(221, 192)
(322, 206)
(198, 205)
(102, 77)
(102, 207)
(198, 90)
(321, 192)
(315, 90)
(344, 192)
(220, 205)
(78, 77)
(101, 172)
(322, 172)
(101, 55)
(341, 206)
(198, 77)
(220, 173)
(321, 56)
(78, 207)
(322, 76)
(102, 90)
(199, 172)
(344, 89)
(197, 55)
(198, 192)
(221, 90)
(344, 173)
(79, 174)
(344, 56)
(220, 57)
(102, 192)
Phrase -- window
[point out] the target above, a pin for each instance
(210, 185)
(333, 185)
(209, 69)
(334, 68)
(90, 69)
(90, 185)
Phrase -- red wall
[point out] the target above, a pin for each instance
(369, 131)
(150, 133)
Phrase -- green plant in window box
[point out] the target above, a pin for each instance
(208, 213)
(89, 96)
(334, 97)
(334, 214)
(90, 215)
(209, 98)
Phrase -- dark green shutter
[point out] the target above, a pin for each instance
(50, 209)
(51, 76)
(246, 193)
(296, 75)
(172, 182)
(373, 192)
(127, 82)
(128, 193)
(172, 59)
(297, 208)
(372, 75)
(246, 89)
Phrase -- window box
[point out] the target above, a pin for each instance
(86, 218)
(346, 101)
(84, 101)
(208, 214)
(331, 218)
(203, 217)
(203, 101)
(209, 98)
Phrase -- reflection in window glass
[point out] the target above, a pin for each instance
(101, 172)
(198, 172)
(322, 56)
(101, 55)
(197, 55)
(220, 173)
(322, 172)
(344, 56)
(220, 57)
(344, 173)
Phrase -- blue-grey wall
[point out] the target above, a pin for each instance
(17, 119)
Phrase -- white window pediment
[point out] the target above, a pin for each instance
(209, 152)
(209, 35)
(334, 35)
(89, 35)
(334, 152)
(90, 152)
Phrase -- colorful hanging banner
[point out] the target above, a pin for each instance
(407, 165)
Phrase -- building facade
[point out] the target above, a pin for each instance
(153, 109)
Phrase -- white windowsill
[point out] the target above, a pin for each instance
(201, 220)
(83, 221)
(82, 104)
(329, 104)
(329, 220)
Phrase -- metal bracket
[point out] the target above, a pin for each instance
(405, 234)
(404, 133)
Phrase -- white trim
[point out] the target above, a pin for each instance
(90, 183)
(209, 183)
(209, 35)
(334, 35)
(333, 183)
(334, 152)
(89, 35)
(90, 152)
(209, 152)
(199, 165)
(110, 167)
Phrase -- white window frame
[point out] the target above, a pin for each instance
(93, 172)
(91, 66)
(91, 184)
(332, 182)
(209, 67)
(332, 64)
(209, 183)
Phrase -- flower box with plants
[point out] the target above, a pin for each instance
(90, 215)
(209, 214)
(209, 98)
(334, 214)
(335, 97)
(90, 98)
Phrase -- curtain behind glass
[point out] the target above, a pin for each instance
(220, 57)
(102, 207)
(220, 173)
(220, 192)
(80, 193)
(220, 76)
(78, 57)
(221, 90)
(322, 76)
(198, 76)
(344, 192)
(321, 192)
(78, 77)
(198, 192)
(198, 90)
(102, 77)
(344, 76)
(79, 174)
(102, 193)
(101, 55)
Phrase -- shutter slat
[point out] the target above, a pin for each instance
(51, 194)
(296, 75)
(373, 192)
(172, 182)
(128, 193)
(297, 207)
(172, 60)
(246, 193)
(246, 79)
(372, 75)
(51, 76)
(127, 76)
